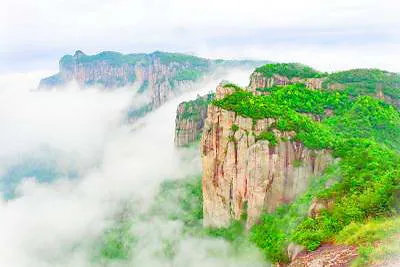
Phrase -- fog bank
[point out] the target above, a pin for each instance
(56, 222)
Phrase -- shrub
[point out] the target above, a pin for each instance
(234, 128)
(297, 163)
(269, 136)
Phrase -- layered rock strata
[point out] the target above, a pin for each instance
(244, 175)
(258, 80)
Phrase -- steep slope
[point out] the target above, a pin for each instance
(158, 74)
(380, 84)
(189, 121)
(374, 82)
(271, 75)
(251, 167)
(299, 164)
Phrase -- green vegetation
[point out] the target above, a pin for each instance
(116, 58)
(186, 200)
(192, 110)
(193, 69)
(364, 117)
(369, 232)
(355, 82)
(377, 239)
(366, 82)
(117, 242)
(139, 112)
(167, 58)
(387, 249)
(368, 188)
(368, 118)
(363, 132)
(275, 230)
(182, 67)
(177, 200)
(294, 97)
(297, 163)
(188, 75)
(289, 70)
(143, 87)
(232, 85)
(268, 136)
(232, 233)
(299, 98)
(363, 190)
(113, 58)
(234, 128)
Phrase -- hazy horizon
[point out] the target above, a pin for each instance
(328, 36)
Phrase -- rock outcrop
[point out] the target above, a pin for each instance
(318, 205)
(377, 83)
(244, 175)
(258, 80)
(152, 73)
(159, 74)
(189, 121)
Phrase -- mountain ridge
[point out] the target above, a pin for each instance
(160, 75)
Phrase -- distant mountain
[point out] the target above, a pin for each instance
(159, 74)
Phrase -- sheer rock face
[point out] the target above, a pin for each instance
(258, 80)
(189, 129)
(149, 74)
(243, 175)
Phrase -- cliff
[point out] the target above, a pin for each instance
(282, 74)
(258, 80)
(158, 74)
(380, 84)
(189, 121)
(249, 167)
(271, 146)
(374, 82)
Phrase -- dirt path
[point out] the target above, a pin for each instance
(327, 255)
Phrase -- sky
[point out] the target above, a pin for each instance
(328, 35)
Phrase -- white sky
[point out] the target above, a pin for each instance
(329, 35)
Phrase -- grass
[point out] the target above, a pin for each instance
(387, 250)
(368, 232)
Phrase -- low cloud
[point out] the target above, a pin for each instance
(56, 223)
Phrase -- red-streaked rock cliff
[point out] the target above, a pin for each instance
(244, 175)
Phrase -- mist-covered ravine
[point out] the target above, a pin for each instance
(83, 187)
